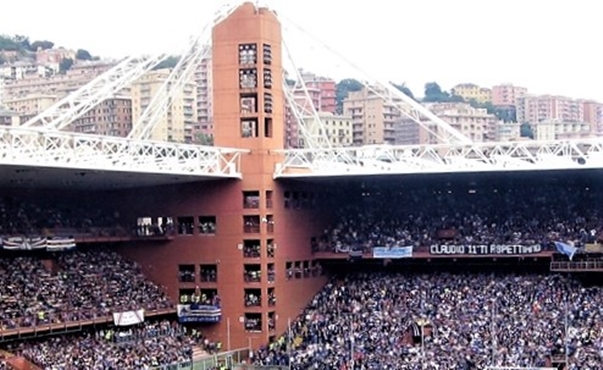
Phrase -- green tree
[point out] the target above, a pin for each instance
(22, 41)
(169, 62)
(7, 43)
(204, 139)
(65, 65)
(41, 44)
(435, 94)
(82, 54)
(343, 88)
(525, 130)
(405, 89)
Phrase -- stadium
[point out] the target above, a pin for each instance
(131, 254)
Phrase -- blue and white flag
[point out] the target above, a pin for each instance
(567, 249)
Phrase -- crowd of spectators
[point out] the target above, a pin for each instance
(145, 346)
(21, 217)
(372, 321)
(81, 284)
(485, 215)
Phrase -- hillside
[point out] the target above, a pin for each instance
(19, 47)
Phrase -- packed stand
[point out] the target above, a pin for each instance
(144, 346)
(21, 217)
(85, 285)
(420, 217)
(372, 319)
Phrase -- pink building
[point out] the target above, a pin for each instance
(533, 109)
(507, 95)
(322, 91)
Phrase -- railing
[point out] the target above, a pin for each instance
(65, 327)
(577, 266)
(230, 359)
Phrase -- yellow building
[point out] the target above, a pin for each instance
(29, 106)
(470, 92)
(338, 128)
(178, 124)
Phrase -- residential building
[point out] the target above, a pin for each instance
(373, 118)
(8, 117)
(507, 131)
(506, 95)
(291, 129)
(54, 56)
(469, 91)
(540, 108)
(338, 129)
(322, 91)
(559, 130)
(203, 130)
(593, 115)
(177, 125)
(475, 123)
(112, 117)
(29, 106)
(59, 84)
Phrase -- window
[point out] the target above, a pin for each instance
(208, 273)
(269, 223)
(186, 225)
(271, 297)
(186, 273)
(251, 199)
(253, 297)
(249, 127)
(248, 54)
(249, 103)
(248, 78)
(268, 103)
(267, 78)
(253, 322)
(269, 194)
(251, 224)
(267, 127)
(252, 248)
(252, 273)
(207, 225)
(271, 273)
(267, 53)
(271, 321)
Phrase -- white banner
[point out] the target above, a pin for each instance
(128, 318)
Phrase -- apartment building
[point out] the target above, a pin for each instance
(539, 108)
(373, 118)
(475, 123)
(58, 84)
(203, 131)
(506, 95)
(338, 129)
(322, 91)
(29, 106)
(593, 115)
(559, 130)
(8, 117)
(469, 91)
(179, 122)
(112, 117)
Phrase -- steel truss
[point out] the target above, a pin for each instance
(65, 111)
(443, 158)
(180, 75)
(34, 147)
(308, 120)
(399, 101)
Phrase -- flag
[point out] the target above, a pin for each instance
(567, 249)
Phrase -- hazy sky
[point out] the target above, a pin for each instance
(548, 46)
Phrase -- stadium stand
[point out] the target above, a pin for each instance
(78, 285)
(488, 214)
(149, 345)
(463, 321)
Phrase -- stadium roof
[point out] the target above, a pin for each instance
(65, 178)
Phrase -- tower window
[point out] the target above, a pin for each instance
(248, 54)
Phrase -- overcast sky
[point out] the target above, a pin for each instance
(551, 46)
